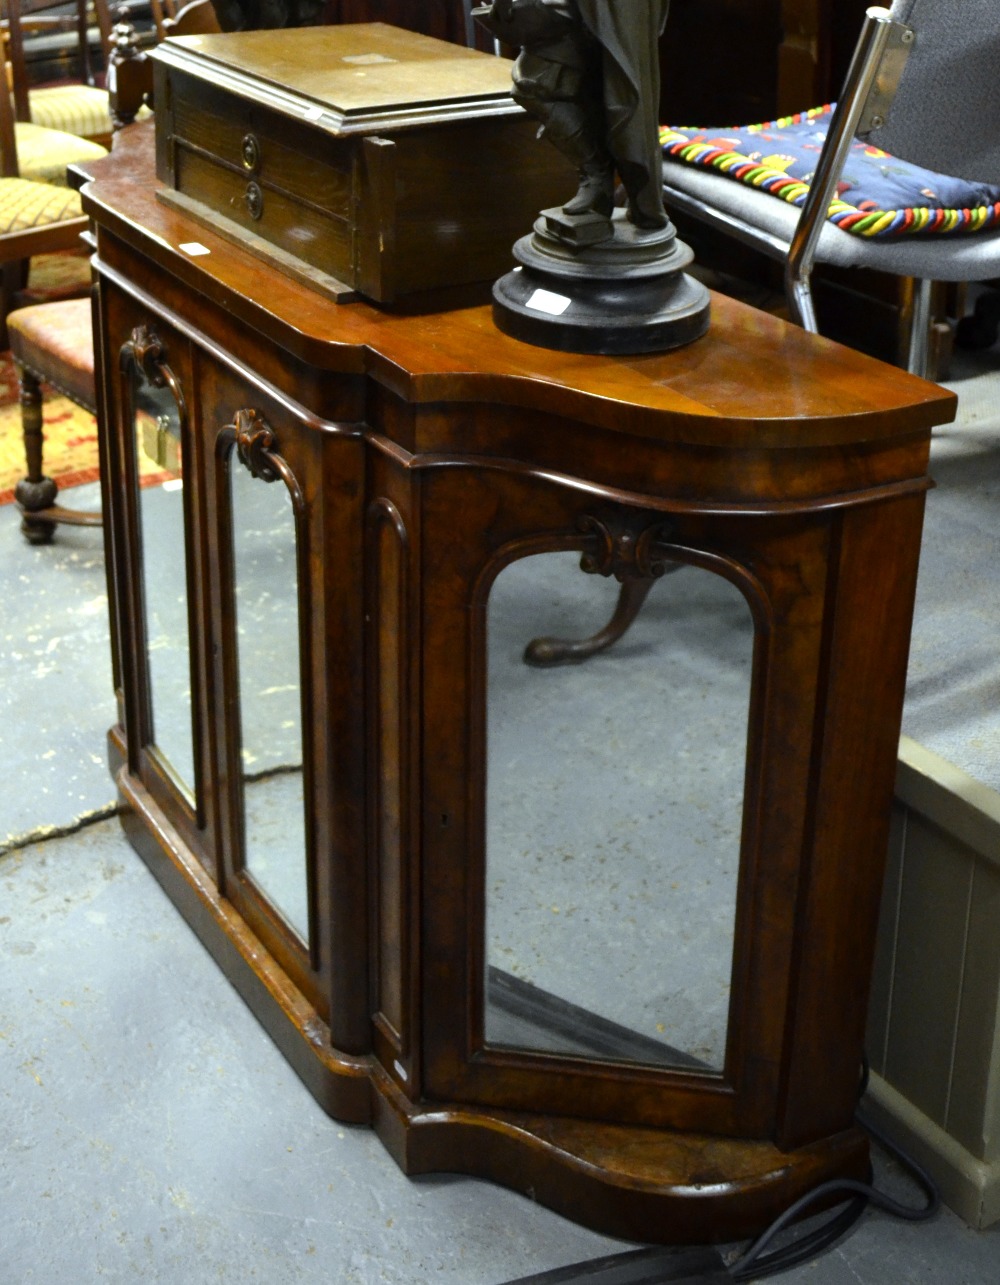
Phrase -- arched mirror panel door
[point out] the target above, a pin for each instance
(155, 460)
(614, 803)
(265, 538)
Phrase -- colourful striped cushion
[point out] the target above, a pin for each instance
(43, 154)
(24, 204)
(878, 195)
(75, 109)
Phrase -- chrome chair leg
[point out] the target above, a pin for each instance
(798, 291)
(918, 354)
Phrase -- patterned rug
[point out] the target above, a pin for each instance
(70, 451)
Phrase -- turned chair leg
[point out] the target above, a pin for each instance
(34, 492)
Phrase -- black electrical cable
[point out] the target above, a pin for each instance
(754, 1264)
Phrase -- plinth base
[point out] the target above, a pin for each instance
(625, 294)
(653, 1185)
(646, 1184)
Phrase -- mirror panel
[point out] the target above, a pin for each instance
(160, 467)
(270, 698)
(613, 816)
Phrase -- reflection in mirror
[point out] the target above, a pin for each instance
(164, 577)
(614, 810)
(267, 633)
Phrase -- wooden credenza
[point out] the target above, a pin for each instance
(321, 520)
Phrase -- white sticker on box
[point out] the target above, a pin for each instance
(194, 247)
(547, 301)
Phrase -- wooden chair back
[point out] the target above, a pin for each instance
(8, 139)
(197, 18)
(26, 16)
(161, 10)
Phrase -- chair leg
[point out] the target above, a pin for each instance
(34, 492)
(918, 352)
(798, 293)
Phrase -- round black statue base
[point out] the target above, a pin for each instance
(625, 293)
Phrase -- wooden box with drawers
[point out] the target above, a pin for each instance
(361, 158)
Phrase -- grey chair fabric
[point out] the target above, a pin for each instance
(946, 113)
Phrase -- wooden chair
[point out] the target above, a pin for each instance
(52, 344)
(43, 154)
(35, 218)
(75, 108)
(40, 218)
(79, 23)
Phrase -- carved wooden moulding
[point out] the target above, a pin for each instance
(360, 159)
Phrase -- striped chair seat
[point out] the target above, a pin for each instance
(74, 109)
(43, 154)
(24, 204)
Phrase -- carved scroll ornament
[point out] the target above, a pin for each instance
(255, 443)
(621, 546)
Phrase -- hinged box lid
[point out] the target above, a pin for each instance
(350, 79)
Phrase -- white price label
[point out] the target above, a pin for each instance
(548, 301)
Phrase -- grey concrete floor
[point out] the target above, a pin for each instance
(150, 1129)
(953, 691)
(152, 1132)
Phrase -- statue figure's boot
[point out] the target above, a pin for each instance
(596, 193)
(570, 126)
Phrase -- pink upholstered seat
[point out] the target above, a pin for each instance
(55, 342)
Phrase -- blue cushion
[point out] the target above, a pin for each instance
(878, 195)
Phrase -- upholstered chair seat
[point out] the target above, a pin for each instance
(75, 109)
(43, 154)
(55, 342)
(24, 204)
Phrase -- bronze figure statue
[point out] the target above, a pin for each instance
(589, 70)
(593, 277)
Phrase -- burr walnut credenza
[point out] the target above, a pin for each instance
(599, 931)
